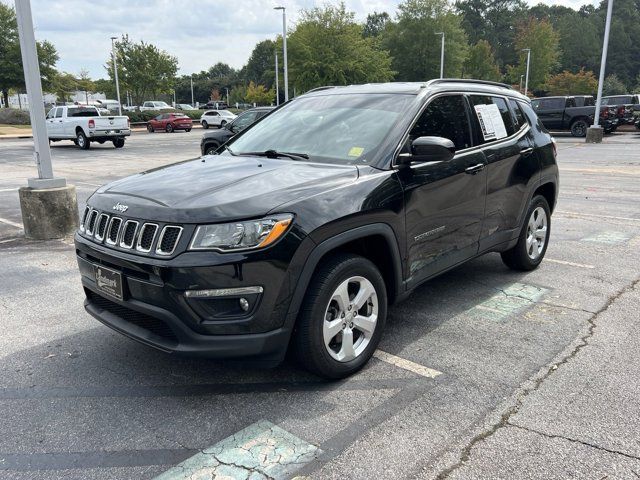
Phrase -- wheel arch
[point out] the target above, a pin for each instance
(548, 191)
(376, 242)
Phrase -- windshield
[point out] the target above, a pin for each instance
(346, 129)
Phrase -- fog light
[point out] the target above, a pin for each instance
(244, 304)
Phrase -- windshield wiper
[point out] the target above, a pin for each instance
(230, 151)
(276, 154)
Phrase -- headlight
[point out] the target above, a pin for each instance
(241, 235)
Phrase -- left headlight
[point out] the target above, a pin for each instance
(246, 235)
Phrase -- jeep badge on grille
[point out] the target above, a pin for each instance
(120, 207)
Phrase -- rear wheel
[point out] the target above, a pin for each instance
(205, 125)
(534, 237)
(187, 129)
(118, 142)
(579, 128)
(222, 123)
(342, 317)
(82, 141)
(149, 128)
(169, 128)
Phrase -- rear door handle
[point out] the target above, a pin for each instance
(475, 169)
(526, 151)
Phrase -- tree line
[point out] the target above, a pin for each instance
(484, 39)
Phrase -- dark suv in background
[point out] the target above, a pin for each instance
(212, 140)
(305, 227)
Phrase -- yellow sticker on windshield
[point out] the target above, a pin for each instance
(356, 151)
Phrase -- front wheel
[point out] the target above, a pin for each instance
(211, 149)
(118, 142)
(534, 237)
(149, 128)
(82, 141)
(579, 128)
(342, 317)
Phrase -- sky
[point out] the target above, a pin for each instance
(199, 33)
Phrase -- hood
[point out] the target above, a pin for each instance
(220, 188)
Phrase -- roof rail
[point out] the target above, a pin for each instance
(468, 80)
(317, 89)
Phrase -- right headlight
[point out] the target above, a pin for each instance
(247, 235)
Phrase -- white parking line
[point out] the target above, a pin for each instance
(3, 190)
(563, 262)
(589, 215)
(406, 364)
(9, 222)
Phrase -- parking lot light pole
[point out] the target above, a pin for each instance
(594, 133)
(115, 71)
(284, 48)
(192, 102)
(277, 83)
(48, 205)
(526, 80)
(441, 55)
(521, 78)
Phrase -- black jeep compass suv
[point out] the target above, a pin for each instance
(307, 225)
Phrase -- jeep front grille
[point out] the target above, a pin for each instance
(117, 232)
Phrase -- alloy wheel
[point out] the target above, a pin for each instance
(350, 319)
(537, 233)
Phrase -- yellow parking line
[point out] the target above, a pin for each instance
(406, 364)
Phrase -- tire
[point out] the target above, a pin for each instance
(205, 125)
(150, 128)
(323, 313)
(187, 130)
(579, 128)
(222, 124)
(211, 149)
(82, 141)
(118, 142)
(168, 128)
(529, 252)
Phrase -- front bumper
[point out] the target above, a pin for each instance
(155, 311)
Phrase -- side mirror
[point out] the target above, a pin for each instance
(428, 149)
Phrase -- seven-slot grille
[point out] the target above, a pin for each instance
(130, 234)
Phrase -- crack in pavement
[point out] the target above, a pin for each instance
(583, 341)
(574, 440)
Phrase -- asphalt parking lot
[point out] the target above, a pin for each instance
(481, 373)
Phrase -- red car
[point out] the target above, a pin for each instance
(170, 122)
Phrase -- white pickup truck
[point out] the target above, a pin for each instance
(84, 124)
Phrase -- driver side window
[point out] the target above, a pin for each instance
(445, 117)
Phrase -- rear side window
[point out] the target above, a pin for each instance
(518, 115)
(445, 117)
(82, 112)
(571, 102)
(491, 126)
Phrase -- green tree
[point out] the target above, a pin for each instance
(613, 86)
(143, 69)
(63, 85)
(375, 24)
(493, 21)
(327, 48)
(85, 84)
(259, 95)
(11, 73)
(260, 67)
(414, 45)
(238, 94)
(568, 83)
(481, 63)
(543, 40)
(108, 87)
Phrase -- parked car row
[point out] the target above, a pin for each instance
(576, 113)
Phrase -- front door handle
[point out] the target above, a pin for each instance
(526, 151)
(475, 169)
